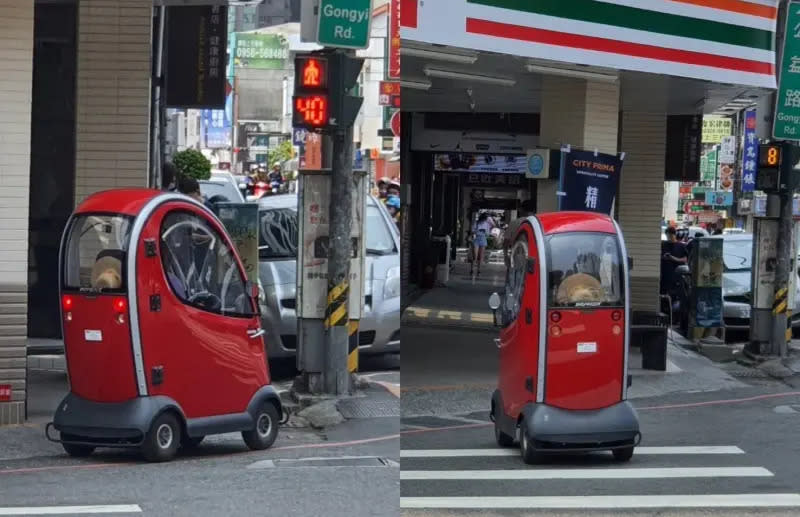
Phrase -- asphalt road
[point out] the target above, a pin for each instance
(731, 451)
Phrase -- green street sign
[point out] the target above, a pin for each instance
(344, 23)
(787, 104)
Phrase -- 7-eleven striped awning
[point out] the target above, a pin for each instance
(724, 41)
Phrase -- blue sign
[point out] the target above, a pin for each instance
(217, 127)
(358, 160)
(589, 181)
(719, 198)
(535, 164)
(750, 153)
(299, 136)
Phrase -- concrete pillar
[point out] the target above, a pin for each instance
(16, 75)
(113, 97)
(641, 201)
(580, 113)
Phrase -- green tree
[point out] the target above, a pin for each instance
(192, 164)
(283, 152)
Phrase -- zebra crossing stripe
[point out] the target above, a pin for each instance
(591, 473)
(606, 502)
(486, 453)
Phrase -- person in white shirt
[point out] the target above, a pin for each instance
(480, 232)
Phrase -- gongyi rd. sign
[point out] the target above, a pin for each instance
(787, 104)
(344, 23)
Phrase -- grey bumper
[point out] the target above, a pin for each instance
(554, 429)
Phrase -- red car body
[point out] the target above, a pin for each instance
(148, 346)
(563, 345)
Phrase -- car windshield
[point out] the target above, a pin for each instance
(94, 256)
(737, 254)
(277, 237)
(210, 189)
(584, 270)
(379, 236)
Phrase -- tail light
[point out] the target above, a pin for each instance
(617, 330)
(66, 301)
(555, 317)
(120, 305)
(555, 330)
(616, 315)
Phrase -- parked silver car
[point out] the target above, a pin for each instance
(224, 184)
(379, 330)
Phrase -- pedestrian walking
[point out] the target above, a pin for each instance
(480, 241)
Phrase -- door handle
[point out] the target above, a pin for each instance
(497, 342)
(254, 333)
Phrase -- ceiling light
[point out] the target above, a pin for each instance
(415, 85)
(578, 74)
(461, 76)
(465, 59)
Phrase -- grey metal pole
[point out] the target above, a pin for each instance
(778, 341)
(157, 151)
(336, 376)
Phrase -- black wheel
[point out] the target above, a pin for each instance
(163, 439)
(266, 430)
(623, 454)
(529, 455)
(190, 442)
(503, 440)
(75, 450)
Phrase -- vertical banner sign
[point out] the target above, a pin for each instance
(710, 166)
(217, 129)
(195, 56)
(707, 278)
(750, 152)
(241, 223)
(682, 162)
(394, 40)
(786, 124)
(589, 181)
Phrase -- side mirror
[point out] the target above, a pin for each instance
(630, 263)
(494, 304)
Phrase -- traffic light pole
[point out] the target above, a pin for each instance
(778, 343)
(336, 376)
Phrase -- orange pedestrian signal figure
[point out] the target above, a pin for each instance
(314, 109)
(311, 73)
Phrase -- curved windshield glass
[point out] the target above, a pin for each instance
(737, 254)
(379, 236)
(584, 270)
(277, 237)
(94, 257)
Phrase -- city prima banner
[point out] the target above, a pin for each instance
(589, 181)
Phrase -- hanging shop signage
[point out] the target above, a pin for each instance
(682, 160)
(727, 150)
(750, 153)
(538, 164)
(217, 129)
(715, 128)
(511, 181)
(389, 94)
(195, 56)
(708, 166)
(719, 198)
(692, 206)
(589, 181)
(262, 51)
(504, 163)
(726, 177)
(394, 40)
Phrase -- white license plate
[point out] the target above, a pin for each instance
(587, 348)
(93, 335)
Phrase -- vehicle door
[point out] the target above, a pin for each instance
(200, 331)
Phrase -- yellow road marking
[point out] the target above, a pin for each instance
(451, 315)
(481, 317)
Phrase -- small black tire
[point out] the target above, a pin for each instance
(266, 429)
(76, 450)
(162, 440)
(190, 442)
(623, 455)
(528, 453)
(503, 440)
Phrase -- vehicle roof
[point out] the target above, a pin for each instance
(289, 201)
(118, 201)
(562, 222)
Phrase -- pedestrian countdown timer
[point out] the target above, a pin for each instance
(311, 99)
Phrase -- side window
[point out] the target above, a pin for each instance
(200, 267)
(515, 281)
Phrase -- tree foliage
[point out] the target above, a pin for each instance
(283, 152)
(192, 164)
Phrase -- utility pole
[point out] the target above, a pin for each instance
(781, 331)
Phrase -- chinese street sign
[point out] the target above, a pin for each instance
(708, 166)
(682, 157)
(262, 51)
(714, 128)
(344, 23)
(589, 181)
(197, 39)
(750, 153)
(787, 103)
(727, 150)
(394, 40)
(501, 180)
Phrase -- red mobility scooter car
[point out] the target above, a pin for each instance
(161, 330)
(563, 347)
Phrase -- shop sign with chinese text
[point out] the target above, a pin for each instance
(197, 39)
(394, 40)
(714, 128)
(503, 163)
(589, 181)
(474, 179)
(682, 161)
(708, 166)
(750, 152)
(262, 51)
(786, 124)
